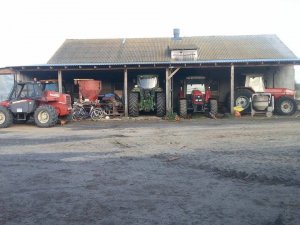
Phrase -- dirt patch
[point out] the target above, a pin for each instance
(152, 172)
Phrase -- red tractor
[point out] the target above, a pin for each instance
(27, 99)
(195, 96)
(284, 99)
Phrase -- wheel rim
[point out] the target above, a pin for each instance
(43, 116)
(242, 101)
(98, 114)
(286, 106)
(2, 118)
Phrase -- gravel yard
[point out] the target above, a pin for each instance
(199, 171)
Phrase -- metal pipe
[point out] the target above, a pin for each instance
(59, 78)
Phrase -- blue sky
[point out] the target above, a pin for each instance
(32, 30)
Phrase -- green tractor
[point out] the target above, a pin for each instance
(147, 96)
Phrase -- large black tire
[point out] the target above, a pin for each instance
(45, 116)
(6, 117)
(285, 106)
(242, 98)
(213, 107)
(133, 104)
(160, 104)
(183, 108)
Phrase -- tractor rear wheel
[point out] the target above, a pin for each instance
(183, 108)
(6, 117)
(160, 104)
(45, 116)
(242, 98)
(285, 106)
(133, 104)
(213, 107)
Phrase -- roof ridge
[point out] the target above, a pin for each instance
(197, 36)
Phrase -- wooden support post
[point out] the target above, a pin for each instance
(172, 93)
(18, 76)
(168, 92)
(59, 78)
(125, 93)
(169, 88)
(232, 89)
(174, 72)
(15, 76)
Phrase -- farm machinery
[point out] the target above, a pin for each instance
(195, 96)
(147, 96)
(28, 99)
(92, 105)
(255, 98)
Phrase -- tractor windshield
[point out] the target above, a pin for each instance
(26, 90)
(191, 87)
(50, 87)
(256, 83)
(147, 82)
(16, 90)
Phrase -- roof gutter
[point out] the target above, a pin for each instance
(225, 62)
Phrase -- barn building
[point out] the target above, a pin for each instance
(224, 60)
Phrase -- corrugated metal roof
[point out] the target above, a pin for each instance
(157, 50)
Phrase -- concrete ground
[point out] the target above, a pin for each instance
(199, 171)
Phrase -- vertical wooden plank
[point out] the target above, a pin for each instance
(232, 89)
(59, 78)
(168, 91)
(18, 77)
(125, 93)
(172, 93)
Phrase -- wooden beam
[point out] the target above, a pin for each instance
(18, 76)
(59, 78)
(173, 73)
(169, 88)
(168, 92)
(232, 89)
(125, 93)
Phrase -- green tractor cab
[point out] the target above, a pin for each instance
(147, 96)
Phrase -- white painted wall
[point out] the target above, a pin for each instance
(285, 77)
(280, 77)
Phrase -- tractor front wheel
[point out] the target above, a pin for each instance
(213, 105)
(285, 106)
(133, 104)
(183, 108)
(6, 117)
(45, 116)
(160, 104)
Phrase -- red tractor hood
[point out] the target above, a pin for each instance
(278, 92)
